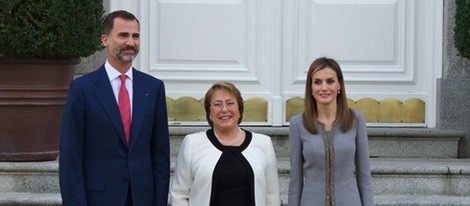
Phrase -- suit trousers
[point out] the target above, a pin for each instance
(129, 197)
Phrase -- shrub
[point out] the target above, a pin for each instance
(54, 29)
(462, 27)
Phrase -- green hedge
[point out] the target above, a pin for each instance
(50, 28)
(462, 27)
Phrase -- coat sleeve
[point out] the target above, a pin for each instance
(272, 193)
(296, 162)
(364, 179)
(182, 178)
(72, 136)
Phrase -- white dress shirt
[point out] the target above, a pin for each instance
(113, 75)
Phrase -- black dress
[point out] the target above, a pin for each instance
(233, 178)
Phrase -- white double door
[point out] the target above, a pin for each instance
(387, 48)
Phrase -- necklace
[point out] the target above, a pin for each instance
(230, 142)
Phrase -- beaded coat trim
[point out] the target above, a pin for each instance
(329, 143)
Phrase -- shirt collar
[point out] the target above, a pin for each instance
(114, 73)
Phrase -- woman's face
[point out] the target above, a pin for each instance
(325, 86)
(224, 112)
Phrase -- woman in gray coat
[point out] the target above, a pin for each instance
(329, 147)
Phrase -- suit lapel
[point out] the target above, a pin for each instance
(141, 96)
(105, 96)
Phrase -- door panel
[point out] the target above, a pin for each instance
(389, 50)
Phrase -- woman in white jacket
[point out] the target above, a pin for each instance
(225, 165)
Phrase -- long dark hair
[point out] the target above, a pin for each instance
(344, 115)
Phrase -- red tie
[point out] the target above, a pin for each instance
(125, 107)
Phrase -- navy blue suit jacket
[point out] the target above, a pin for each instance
(96, 167)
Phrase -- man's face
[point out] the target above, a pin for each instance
(123, 42)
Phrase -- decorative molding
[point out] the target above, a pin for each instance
(389, 110)
(190, 109)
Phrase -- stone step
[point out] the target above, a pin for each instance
(390, 176)
(421, 200)
(383, 142)
(421, 176)
(29, 177)
(406, 176)
(30, 199)
(419, 162)
(413, 142)
(53, 199)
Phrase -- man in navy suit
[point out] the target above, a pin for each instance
(98, 164)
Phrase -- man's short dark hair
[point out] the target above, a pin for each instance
(109, 20)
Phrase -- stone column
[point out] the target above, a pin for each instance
(454, 92)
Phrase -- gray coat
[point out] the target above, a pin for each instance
(347, 172)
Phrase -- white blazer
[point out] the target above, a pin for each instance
(197, 158)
